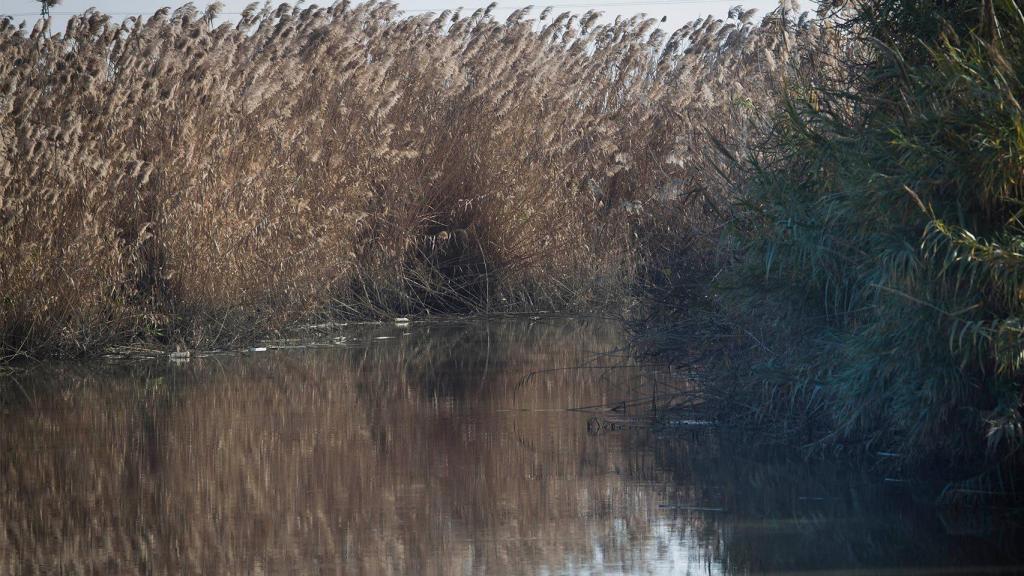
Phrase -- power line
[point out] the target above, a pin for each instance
(539, 6)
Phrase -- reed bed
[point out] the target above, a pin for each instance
(169, 179)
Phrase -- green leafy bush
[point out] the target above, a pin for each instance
(885, 213)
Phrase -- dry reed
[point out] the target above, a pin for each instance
(173, 180)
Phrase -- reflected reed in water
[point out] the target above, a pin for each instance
(426, 452)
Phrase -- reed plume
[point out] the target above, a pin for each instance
(173, 179)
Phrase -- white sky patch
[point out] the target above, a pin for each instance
(676, 12)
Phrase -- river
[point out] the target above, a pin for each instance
(442, 448)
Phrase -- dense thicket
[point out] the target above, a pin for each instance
(882, 247)
(175, 180)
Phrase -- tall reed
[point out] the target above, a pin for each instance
(171, 179)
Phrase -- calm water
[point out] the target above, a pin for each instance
(423, 450)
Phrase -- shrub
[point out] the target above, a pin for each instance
(885, 239)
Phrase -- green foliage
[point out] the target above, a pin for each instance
(888, 205)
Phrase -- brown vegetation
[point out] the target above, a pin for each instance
(171, 180)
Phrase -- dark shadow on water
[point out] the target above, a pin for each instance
(425, 450)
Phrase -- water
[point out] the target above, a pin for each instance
(424, 450)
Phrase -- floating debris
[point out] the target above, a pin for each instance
(258, 349)
(691, 508)
(180, 355)
(327, 325)
(690, 423)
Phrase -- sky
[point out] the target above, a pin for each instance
(677, 12)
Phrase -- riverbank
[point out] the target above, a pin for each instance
(823, 213)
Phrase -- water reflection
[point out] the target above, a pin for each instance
(427, 452)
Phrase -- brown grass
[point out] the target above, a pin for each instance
(169, 180)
